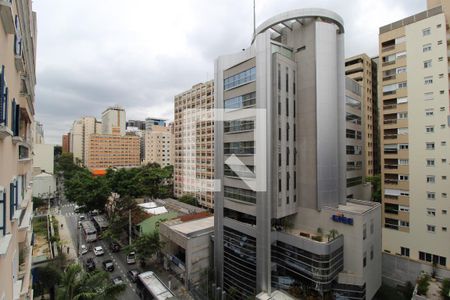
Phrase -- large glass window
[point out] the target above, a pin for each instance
(240, 194)
(239, 171)
(239, 147)
(240, 79)
(238, 125)
(241, 101)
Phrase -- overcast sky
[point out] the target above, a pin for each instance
(141, 53)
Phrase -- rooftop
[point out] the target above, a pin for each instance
(412, 19)
(192, 227)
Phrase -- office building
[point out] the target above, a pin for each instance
(136, 124)
(149, 122)
(66, 143)
(415, 130)
(113, 151)
(140, 133)
(282, 169)
(159, 145)
(364, 70)
(79, 137)
(113, 118)
(194, 144)
(17, 133)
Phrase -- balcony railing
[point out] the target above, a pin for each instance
(390, 151)
(391, 181)
(390, 121)
(387, 63)
(391, 166)
(389, 77)
(388, 48)
(390, 106)
(390, 136)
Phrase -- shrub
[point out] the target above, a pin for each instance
(445, 288)
(422, 284)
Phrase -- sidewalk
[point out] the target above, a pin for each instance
(66, 240)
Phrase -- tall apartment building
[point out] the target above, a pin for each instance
(159, 145)
(137, 124)
(39, 133)
(114, 118)
(415, 131)
(79, 137)
(113, 150)
(355, 140)
(194, 143)
(284, 133)
(66, 142)
(363, 69)
(140, 133)
(17, 82)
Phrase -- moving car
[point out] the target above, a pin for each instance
(89, 264)
(131, 258)
(83, 249)
(117, 280)
(114, 246)
(108, 265)
(98, 250)
(133, 275)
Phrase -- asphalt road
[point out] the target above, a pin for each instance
(119, 259)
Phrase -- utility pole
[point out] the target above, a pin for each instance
(129, 227)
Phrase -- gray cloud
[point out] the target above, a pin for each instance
(140, 54)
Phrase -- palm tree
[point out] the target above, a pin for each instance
(79, 285)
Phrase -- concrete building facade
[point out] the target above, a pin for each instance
(114, 118)
(66, 143)
(159, 145)
(18, 34)
(79, 137)
(415, 129)
(113, 150)
(363, 69)
(281, 161)
(194, 159)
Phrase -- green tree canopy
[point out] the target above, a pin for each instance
(376, 187)
(188, 199)
(146, 245)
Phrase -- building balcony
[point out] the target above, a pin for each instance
(19, 62)
(5, 132)
(7, 17)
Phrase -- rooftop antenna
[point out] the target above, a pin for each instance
(254, 18)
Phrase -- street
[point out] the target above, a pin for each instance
(119, 258)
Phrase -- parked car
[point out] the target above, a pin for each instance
(89, 264)
(133, 275)
(81, 218)
(114, 246)
(83, 249)
(94, 213)
(108, 265)
(131, 258)
(78, 209)
(117, 280)
(98, 250)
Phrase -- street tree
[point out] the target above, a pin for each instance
(146, 245)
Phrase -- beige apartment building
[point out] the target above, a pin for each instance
(113, 150)
(79, 137)
(159, 145)
(414, 89)
(194, 144)
(363, 69)
(17, 82)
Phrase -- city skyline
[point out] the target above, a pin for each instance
(180, 57)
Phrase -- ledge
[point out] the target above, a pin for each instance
(17, 139)
(20, 66)
(7, 17)
(5, 131)
(4, 244)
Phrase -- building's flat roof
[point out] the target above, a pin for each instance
(357, 206)
(191, 227)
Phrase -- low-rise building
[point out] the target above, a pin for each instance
(187, 246)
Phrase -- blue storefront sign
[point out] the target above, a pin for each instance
(342, 219)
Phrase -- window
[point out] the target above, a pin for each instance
(403, 146)
(287, 80)
(428, 96)
(287, 107)
(444, 195)
(287, 131)
(430, 146)
(431, 228)
(439, 42)
(279, 185)
(444, 211)
(431, 179)
(404, 224)
(400, 70)
(444, 229)
(240, 79)
(279, 159)
(402, 85)
(431, 212)
(444, 177)
(288, 181)
(430, 162)
(3, 98)
(239, 148)
(371, 226)
(2, 211)
(429, 112)
(428, 80)
(279, 77)
(429, 129)
(426, 47)
(443, 160)
(431, 195)
(402, 115)
(426, 31)
(238, 125)
(364, 231)
(365, 259)
(287, 156)
(427, 64)
(241, 101)
(240, 194)
(442, 108)
(403, 177)
(371, 252)
(403, 162)
(404, 251)
(443, 143)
